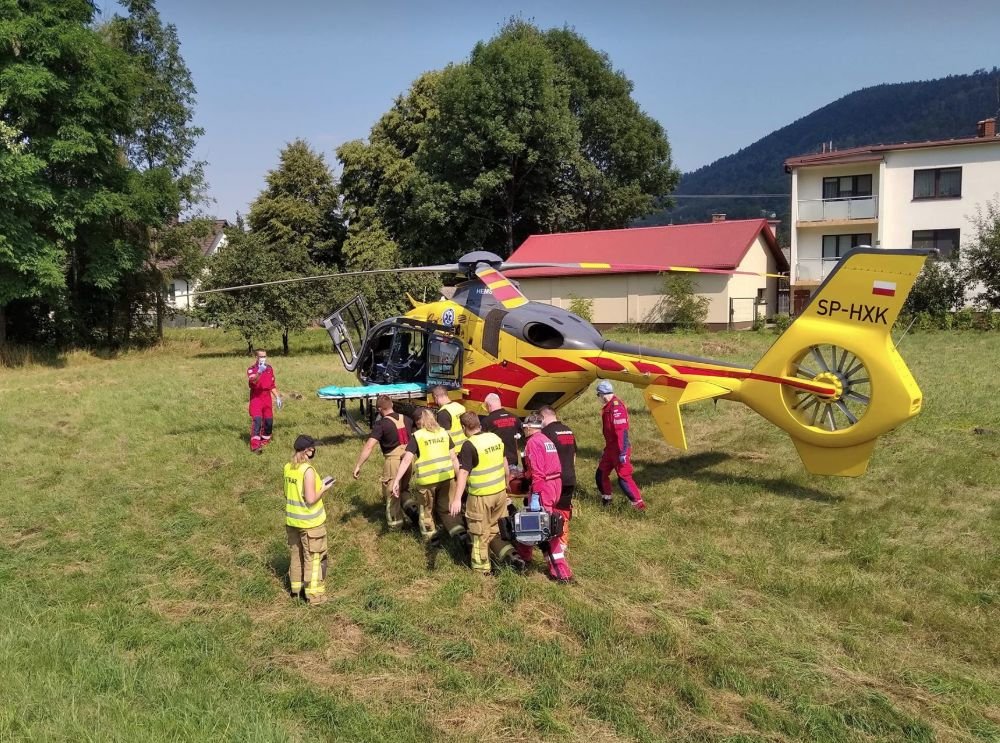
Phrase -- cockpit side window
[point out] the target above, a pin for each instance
(445, 361)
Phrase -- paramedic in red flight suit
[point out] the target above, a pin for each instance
(544, 470)
(260, 378)
(617, 448)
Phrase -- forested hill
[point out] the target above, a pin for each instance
(883, 114)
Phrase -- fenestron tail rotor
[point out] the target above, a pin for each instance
(840, 368)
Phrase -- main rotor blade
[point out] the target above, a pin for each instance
(499, 285)
(645, 267)
(446, 268)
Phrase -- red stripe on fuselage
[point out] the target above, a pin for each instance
(606, 364)
(670, 381)
(508, 373)
(478, 392)
(552, 364)
(646, 367)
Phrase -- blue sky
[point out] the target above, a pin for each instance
(718, 75)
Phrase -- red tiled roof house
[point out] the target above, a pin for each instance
(621, 297)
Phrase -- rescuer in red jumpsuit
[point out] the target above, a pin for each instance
(260, 379)
(617, 448)
(544, 471)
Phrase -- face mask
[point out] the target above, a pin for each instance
(311, 454)
(261, 363)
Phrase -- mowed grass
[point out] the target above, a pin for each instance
(142, 561)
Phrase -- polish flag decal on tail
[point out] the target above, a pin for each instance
(884, 288)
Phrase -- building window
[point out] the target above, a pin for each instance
(847, 186)
(836, 247)
(943, 241)
(937, 183)
(172, 292)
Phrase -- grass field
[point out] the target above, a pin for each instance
(142, 558)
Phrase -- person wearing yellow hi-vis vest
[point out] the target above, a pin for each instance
(432, 455)
(483, 470)
(449, 415)
(305, 522)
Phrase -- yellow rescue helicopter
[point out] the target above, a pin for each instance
(833, 380)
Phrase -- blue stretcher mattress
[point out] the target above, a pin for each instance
(333, 392)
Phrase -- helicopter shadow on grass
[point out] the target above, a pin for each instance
(697, 467)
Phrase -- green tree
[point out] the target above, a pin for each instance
(245, 259)
(369, 247)
(300, 205)
(65, 191)
(383, 175)
(982, 255)
(95, 148)
(160, 147)
(534, 133)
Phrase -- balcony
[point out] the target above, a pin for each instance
(838, 210)
(813, 270)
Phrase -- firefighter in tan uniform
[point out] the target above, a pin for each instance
(449, 415)
(305, 523)
(391, 433)
(431, 452)
(483, 469)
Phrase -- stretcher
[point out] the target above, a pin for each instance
(361, 423)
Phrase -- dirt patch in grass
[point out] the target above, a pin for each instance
(177, 610)
(31, 536)
(482, 721)
(545, 622)
(719, 348)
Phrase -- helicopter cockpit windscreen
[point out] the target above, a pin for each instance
(395, 354)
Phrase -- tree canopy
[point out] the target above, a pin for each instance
(95, 148)
(535, 132)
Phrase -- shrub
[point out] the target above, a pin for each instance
(680, 306)
(938, 290)
(781, 322)
(582, 307)
(964, 319)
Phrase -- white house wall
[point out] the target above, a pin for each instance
(741, 289)
(620, 299)
(980, 165)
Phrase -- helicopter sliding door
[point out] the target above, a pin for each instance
(348, 329)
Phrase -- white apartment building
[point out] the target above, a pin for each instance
(911, 195)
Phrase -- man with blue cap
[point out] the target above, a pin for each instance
(617, 448)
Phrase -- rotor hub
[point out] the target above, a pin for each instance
(833, 380)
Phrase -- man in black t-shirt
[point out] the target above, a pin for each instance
(560, 434)
(505, 425)
(391, 432)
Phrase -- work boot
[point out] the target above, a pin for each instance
(517, 563)
(412, 511)
(559, 571)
